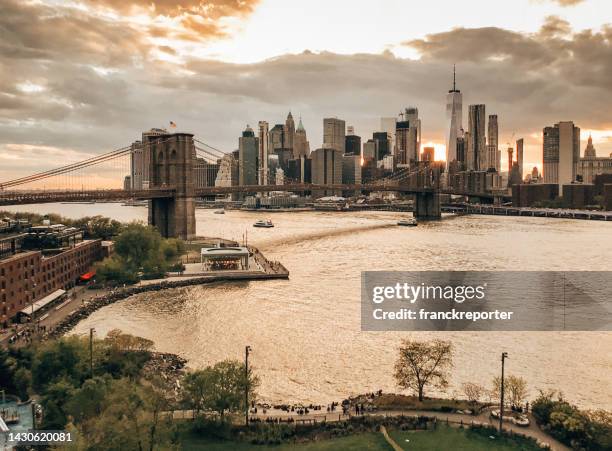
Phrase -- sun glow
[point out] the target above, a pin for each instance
(439, 150)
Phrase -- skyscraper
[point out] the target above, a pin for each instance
(561, 152)
(326, 169)
(413, 149)
(334, 133)
(248, 148)
(383, 146)
(476, 155)
(262, 173)
(352, 144)
(289, 132)
(387, 124)
(301, 146)
(454, 113)
(519, 156)
(277, 138)
(402, 136)
(493, 144)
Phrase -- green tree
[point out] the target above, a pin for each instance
(113, 269)
(129, 418)
(64, 359)
(219, 388)
(102, 227)
(422, 364)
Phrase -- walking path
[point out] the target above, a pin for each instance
(483, 418)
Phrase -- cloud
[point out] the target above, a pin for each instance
(569, 2)
(93, 100)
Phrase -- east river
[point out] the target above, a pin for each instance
(305, 331)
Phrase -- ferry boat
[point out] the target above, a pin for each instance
(408, 222)
(219, 212)
(267, 223)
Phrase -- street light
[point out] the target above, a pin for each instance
(504, 356)
(247, 349)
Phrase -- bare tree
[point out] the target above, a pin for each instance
(423, 363)
(473, 392)
(515, 389)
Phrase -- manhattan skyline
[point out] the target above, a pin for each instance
(135, 66)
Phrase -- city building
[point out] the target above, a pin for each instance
(248, 147)
(493, 144)
(30, 276)
(533, 194)
(276, 138)
(476, 158)
(300, 170)
(352, 142)
(561, 152)
(326, 169)
(227, 175)
(301, 147)
(289, 132)
(387, 124)
(140, 159)
(402, 137)
(591, 165)
(351, 172)
(205, 173)
(264, 142)
(520, 148)
(413, 149)
(454, 119)
(370, 150)
(334, 134)
(383, 145)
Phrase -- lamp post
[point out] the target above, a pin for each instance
(247, 349)
(504, 356)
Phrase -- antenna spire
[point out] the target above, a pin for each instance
(454, 78)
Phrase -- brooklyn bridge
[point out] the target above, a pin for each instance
(172, 192)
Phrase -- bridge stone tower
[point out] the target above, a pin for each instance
(427, 202)
(172, 158)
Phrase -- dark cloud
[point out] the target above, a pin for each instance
(582, 59)
(38, 31)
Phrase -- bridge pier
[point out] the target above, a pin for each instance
(171, 166)
(427, 206)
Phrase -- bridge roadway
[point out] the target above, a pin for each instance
(41, 197)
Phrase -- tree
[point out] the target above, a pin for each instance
(140, 248)
(219, 388)
(62, 360)
(102, 227)
(473, 392)
(127, 417)
(113, 269)
(423, 363)
(137, 244)
(515, 389)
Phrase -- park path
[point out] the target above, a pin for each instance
(483, 418)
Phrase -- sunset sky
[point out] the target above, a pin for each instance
(84, 77)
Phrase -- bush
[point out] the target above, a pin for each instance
(571, 426)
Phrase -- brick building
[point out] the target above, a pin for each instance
(29, 276)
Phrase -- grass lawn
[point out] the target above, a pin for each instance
(446, 437)
(360, 442)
